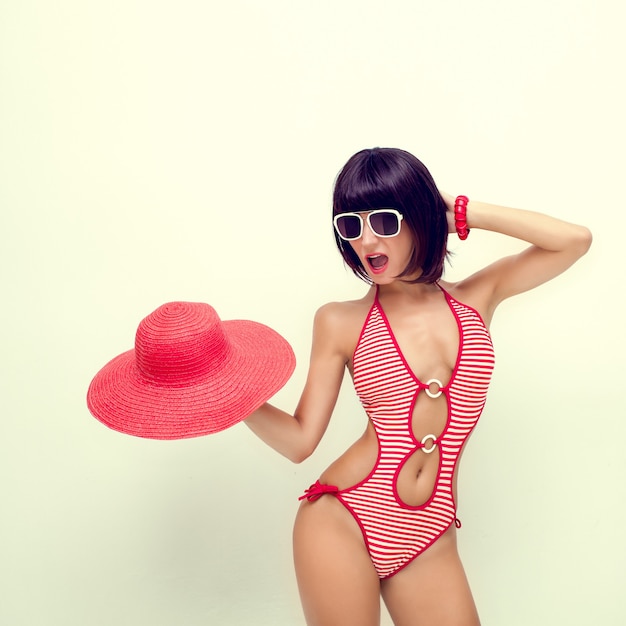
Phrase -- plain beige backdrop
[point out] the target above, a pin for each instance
(158, 151)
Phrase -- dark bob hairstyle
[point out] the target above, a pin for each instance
(392, 178)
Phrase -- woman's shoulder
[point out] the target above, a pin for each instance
(346, 310)
(341, 322)
(473, 292)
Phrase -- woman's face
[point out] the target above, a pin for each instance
(384, 258)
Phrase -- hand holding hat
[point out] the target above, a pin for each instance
(190, 374)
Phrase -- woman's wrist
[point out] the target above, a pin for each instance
(477, 214)
(460, 217)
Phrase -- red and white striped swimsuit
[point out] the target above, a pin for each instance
(396, 533)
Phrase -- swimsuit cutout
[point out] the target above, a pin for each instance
(395, 533)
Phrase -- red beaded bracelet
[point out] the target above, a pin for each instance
(460, 217)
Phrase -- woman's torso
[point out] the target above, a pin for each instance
(428, 335)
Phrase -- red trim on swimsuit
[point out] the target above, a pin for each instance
(396, 533)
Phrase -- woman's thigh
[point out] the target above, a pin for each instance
(432, 591)
(337, 581)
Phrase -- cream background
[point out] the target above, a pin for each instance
(157, 151)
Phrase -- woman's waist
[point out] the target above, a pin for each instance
(355, 464)
(414, 472)
(369, 455)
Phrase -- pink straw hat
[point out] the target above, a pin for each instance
(190, 374)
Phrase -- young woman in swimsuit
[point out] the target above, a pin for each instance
(381, 520)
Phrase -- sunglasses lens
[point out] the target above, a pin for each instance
(385, 223)
(349, 226)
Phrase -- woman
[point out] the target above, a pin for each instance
(381, 520)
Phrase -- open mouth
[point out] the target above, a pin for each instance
(378, 262)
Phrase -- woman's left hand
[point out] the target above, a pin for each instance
(449, 200)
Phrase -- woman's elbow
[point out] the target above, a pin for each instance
(298, 458)
(300, 453)
(582, 240)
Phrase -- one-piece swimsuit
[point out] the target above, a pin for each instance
(395, 532)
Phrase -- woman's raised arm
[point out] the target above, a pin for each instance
(555, 246)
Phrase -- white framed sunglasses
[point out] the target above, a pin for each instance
(383, 223)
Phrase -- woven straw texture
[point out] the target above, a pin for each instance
(190, 374)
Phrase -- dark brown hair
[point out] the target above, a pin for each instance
(392, 178)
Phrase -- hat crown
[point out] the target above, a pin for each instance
(180, 342)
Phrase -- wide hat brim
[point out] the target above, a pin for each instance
(259, 364)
